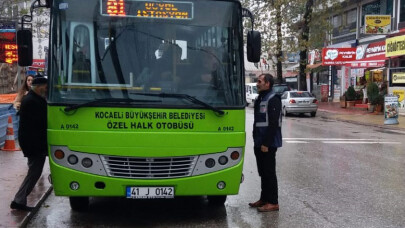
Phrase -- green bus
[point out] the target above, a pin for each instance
(146, 98)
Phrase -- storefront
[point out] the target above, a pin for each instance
(395, 52)
(338, 75)
(369, 65)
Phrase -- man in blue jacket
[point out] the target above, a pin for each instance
(32, 138)
(267, 138)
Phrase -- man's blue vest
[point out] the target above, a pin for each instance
(262, 122)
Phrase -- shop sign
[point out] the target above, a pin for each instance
(370, 50)
(367, 75)
(374, 49)
(400, 93)
(377, 24)
(314, 57)
(40, 63)
(391, 109)
(366, 64)
(398, 78)
(395, 46)
(337, 56)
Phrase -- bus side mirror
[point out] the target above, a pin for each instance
(24, 45)
(253, 46)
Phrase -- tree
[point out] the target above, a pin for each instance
(304, 40)
(13, 9)
(298, 33)
(314, 33)
(269, 21)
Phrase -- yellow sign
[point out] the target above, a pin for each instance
(400, 93)
(150, 9)
(395, 46)
(398, 78)
(377, 24)
(367, 75)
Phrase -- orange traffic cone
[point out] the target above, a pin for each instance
(9, 144)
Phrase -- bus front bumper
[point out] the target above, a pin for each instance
(94, 185)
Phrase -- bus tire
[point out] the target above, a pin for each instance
(79, 203)
(216, 200)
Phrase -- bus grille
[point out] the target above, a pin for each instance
(149, 168)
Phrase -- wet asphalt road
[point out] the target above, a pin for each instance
(330, 173)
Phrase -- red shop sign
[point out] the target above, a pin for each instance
(337, 56)
(38, 63)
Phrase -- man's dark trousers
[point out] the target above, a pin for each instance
(35, 167)
(266, 165)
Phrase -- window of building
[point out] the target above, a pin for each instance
(402, 11)
(351, 16)
(337, 21)
(373, 8)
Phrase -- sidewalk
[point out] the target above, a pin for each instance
(13, 168)
(332, 110)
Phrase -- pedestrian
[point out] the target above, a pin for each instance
(32, 138)
(267, 138)
(23, 91)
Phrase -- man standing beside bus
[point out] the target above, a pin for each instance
(32, 138)
(267, 138)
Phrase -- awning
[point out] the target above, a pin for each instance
(374, 61)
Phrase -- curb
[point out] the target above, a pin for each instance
(388, 127)
(30, 215)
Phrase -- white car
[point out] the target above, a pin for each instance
(299, 102)
(251, 93)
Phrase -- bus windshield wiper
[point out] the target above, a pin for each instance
(106, 100)
(186, 97)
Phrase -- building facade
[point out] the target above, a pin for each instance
(364, 27)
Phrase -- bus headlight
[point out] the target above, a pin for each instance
(223, 160)
(72, 159)
(87, 162)
(210, 163)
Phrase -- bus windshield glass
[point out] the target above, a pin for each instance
(122, 49)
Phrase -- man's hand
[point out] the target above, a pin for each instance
(264, 149)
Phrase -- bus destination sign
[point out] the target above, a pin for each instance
(147, 9)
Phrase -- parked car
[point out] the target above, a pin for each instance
(251, 93)
(281, 88)
(299, 102)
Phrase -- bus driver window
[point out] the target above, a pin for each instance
(81, 55)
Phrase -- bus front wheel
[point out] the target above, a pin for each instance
(79, 203)
(216, 200)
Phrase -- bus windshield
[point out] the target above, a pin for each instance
(129, 49)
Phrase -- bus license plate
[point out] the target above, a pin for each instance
(150, 192)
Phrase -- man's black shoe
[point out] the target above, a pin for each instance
(22, 207)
